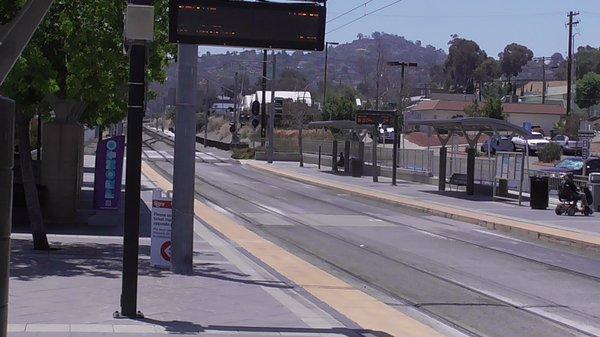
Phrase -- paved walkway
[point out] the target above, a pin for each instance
(75, 289)
(457, 200)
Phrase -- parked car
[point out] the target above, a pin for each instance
(575, 166)
(569, 147)
(536, 141)
(502, 144)
(561, 140)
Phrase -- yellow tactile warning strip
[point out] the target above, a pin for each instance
(363, 309)
(562, 236)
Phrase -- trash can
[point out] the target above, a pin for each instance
(594, 184)
(539, 192)
(356, 167)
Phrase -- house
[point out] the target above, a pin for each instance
(543, 115)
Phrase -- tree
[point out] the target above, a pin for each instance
(291, 80)
(588, 91)
(587, 59)
(340, 106)
(513, 58)
(76, 54)
(463, 58)
(491, 109)
(487, 71)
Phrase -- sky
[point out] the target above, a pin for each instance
(538, 24)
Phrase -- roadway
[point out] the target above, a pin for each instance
(479, 282)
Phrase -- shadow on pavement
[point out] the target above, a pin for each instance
(104, 260)
(111, 222)
(182, 327)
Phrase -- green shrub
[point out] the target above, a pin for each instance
(549, 153)
(246, 153)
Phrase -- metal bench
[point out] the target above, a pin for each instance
(458, 179)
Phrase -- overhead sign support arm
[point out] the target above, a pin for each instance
(15, 35)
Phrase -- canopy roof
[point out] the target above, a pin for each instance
(470, 124)
(463, 126)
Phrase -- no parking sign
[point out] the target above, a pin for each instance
(160, 251)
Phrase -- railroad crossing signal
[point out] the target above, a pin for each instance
(255, 114)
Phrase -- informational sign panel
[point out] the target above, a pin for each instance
(162, 214)
(370, 117)
(527, 126)
(585, 137)
(108, 172)
(264, 25)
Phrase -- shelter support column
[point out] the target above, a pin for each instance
(471, 153)
(442, 174)
(347, 157)
(334, 150)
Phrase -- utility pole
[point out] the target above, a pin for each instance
(182, 234)
(271, 149)
(543, 59)
(234, 136)
(207, 107)
(137, 40)
(263, 105)
(327, 44)
(543, 80)
(402, 65)
(571, 23)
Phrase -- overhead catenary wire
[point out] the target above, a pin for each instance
(363, 16)
(350, 10)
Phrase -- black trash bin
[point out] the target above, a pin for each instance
(539, 192)
(356, 167)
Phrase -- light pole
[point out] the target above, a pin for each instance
(402, 65)
(327, 44)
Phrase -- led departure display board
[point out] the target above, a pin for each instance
(369, 117)
(265, 25)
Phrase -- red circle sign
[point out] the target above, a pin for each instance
(165, 250)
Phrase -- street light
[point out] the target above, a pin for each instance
(327, 44)
(395, 153)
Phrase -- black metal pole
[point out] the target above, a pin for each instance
(39, 138)
(131, 232)
(7, 138)
(395, 149)
(325, 80)
(319, 157)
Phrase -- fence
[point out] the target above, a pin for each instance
(418, 160)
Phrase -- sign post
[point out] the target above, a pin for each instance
(383, 118)
(162, 215)
(585, 137)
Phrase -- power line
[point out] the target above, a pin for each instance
(365, 15)
(350, 11)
